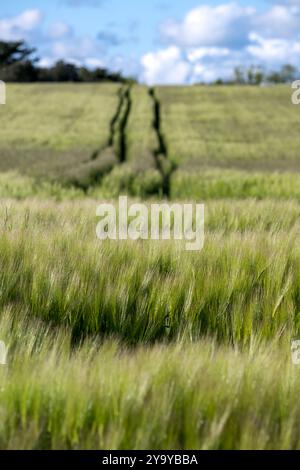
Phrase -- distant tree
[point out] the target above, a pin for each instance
(24, 71)
(259, 77)
(239, 75)
(64, 72)
(100, 74)
(255, 75)
(44, 74)
(286, 74)
(12, 52)
(85, 75)
(115, 77)
(16, 62)
(274, 77)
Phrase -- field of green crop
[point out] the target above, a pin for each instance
(141, 344)
(234, 127)
(57, 132)
(231, 139)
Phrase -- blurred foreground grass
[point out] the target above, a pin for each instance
(143, 345)
(180, 396)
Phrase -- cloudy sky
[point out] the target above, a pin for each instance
(159, 41)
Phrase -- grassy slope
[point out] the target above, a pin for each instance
(219, 374)
(212, 367)
(199, 396)
(227, 141)
(48, 130)
(244, 285)
(138, 175)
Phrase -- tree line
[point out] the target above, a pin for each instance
(256, 75)
(18, 63)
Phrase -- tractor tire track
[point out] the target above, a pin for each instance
(123, 126)
(116, 117)
(163, 164)
(103, 160)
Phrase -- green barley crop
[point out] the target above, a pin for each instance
(143, 345)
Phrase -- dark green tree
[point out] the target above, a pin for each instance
(12, 52)
(17, 63)
(286, 74)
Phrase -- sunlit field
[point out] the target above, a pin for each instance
(57, 132)
(251, 128)
(142, 344)
(232, 142)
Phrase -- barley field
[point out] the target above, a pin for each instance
(233, 142)
(142, 344)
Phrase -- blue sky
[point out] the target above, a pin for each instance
(159, 41)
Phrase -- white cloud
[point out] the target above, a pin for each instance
(211, 41)
(59, 30)
(28, 20)
(20, 26)
(274, 51)
(280, 21)
(59, 42)
(205, 45)
(77, 49)
(165, 66)
(230, 24)
(203, 73)
(93, 63)
(226, 24)
(90, 62)
(46, 62)
(199, 53)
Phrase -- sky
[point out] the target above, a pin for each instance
(158, 41)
